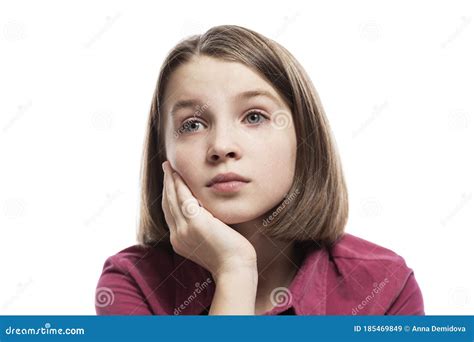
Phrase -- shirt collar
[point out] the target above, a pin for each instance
(309, 285)
(306, 294)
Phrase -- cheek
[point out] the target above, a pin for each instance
(187, 161)
(274, 167)
(277, 171)
(278, 156)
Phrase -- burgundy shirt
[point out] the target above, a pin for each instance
(354, 277)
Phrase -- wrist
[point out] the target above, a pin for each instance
(237, 270)
(235, 292)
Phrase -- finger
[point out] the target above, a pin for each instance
(187, 202)
(175, 210)
(166, 210)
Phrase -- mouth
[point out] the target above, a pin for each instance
(228, 187)
(227, 177)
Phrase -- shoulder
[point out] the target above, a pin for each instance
(129, 281)
(354, 256)
(351, 247)
(372, 273)
(139, 257)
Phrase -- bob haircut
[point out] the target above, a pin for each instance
(319, 212)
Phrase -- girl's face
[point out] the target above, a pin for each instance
(224, 117)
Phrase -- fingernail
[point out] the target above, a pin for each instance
(163, 166)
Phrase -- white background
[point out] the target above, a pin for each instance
(76, 82)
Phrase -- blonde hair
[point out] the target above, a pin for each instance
(319, 212)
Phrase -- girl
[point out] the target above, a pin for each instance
(253, 200)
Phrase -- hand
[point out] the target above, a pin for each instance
(197, 235)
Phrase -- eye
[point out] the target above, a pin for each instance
(190, 126)
(254, 116)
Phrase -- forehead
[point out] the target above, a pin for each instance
(213, 79)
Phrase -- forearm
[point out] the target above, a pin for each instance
(235, 293)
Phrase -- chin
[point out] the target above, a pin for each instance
(232, 216)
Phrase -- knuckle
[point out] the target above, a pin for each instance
(173, 240)
(184, 233)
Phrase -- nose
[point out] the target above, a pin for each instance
(223, 146)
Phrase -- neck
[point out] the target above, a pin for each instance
(277, 261)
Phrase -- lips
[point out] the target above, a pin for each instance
(227, 177)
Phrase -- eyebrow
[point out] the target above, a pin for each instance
(192, 103)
